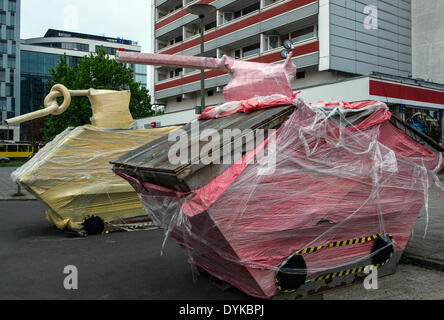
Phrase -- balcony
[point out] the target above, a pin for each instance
(237, 10)
(225, 16)
(168, 9)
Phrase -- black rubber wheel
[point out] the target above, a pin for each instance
(93, 225)
(293, 275)
(382, 250)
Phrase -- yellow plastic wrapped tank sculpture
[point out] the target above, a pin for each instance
(72, 174)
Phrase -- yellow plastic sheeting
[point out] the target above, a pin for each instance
(111, 109)
(73, 177)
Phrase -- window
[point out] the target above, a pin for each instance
(12, 6)
(210, 93)
(23, 148)
(272, 42)
(210, 26)
(12, 148)
(270, 2)
(227, 17)
(161, 45)
(109, 50)
(303, 34)
(11, 62)
(176, 40)
(10, 34)
(7, 135)
(179, 99)
(75, 46)
(238, 54)
(161, 76)
(300, 75)
(251, 50)
(250, 9)
(2, 148)
(140, 78)
(176, 73)
(140, 68)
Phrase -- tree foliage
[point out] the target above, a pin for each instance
(96, 71)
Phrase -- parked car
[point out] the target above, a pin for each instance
(4, 160)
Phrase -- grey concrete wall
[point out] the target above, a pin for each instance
(428, 39)
(385, 48)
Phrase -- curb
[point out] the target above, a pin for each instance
(425, 263)
(17, 200)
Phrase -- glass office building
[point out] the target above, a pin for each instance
(35, 74)
(9, 65)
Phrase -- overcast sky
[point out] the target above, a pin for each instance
(128, 19)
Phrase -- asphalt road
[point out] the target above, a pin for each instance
(127, 265)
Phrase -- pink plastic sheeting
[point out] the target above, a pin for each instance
(249, 79)
(342, 172)
(156, 59)
(246, 106)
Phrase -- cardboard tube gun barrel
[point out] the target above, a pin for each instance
(249, 79)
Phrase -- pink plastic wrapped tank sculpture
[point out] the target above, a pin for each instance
(342, 197)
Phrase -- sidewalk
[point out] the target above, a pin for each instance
(408, 283)
(8, 187)
(430, 247)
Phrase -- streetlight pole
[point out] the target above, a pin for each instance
(202, 72)
(202, 10)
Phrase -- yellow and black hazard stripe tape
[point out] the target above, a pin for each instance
(139, 226)
(344, 273)
(135, 226)
(336, 244)
(132, 227)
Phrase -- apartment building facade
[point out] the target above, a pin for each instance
(334, 40)
(9, 65)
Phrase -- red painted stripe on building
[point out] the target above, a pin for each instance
(270, 58)
(178, 15)
(399, 91)
(264, 15)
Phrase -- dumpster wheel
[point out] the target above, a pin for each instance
(382, 249)
(292, 274)
(93, 225)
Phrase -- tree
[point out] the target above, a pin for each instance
(96, 71)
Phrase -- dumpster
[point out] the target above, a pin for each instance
(277, 196)
(72, 175)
